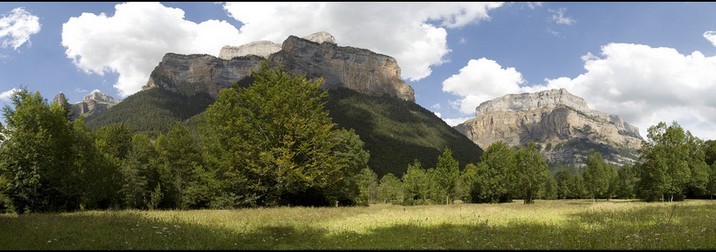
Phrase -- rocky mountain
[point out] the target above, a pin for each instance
(90, 106)
(365, 93)
(316, 55)
(93, 104)
(560, 122)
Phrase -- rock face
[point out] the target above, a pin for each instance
(93, 104)
(191, 74)
(320, 37)
(259, 48)
(317, 55)
(561, 123)
(59, 99)
(357, 69)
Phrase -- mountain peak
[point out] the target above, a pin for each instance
(547, 99)
(100, 97)
(316, 56)
(560, 122)
(59, 99)
(321, 37)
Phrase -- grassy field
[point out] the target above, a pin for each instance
(571, 224)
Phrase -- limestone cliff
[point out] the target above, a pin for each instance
(258, 48)
(561, 123)
(316, 55)
(93, 104)
(191, 74)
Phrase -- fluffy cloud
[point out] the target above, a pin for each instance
(134, 40)
(5, 96)
(646, 85)
(711, 36)
(455, 121)
(559, 17)
(413, 33)
(17, 27)
(642, 84)
(482, 80)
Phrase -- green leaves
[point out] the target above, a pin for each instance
(276, 134)
(672, 163)
(599, 177)
(531, 172)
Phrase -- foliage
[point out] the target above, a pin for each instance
(447, 171)
(563, 179)
(710, 151)
(396, 132)
(416, 184)
(390, 189)
(469, 183)
(671, 164)
(368, 186)
(531, 172)
(598, 177)
(626, 182)
(152, 111)
(37, 156)
(180, 168)
(549, 191)
(275, 139)
(499, 177)
(711, 186)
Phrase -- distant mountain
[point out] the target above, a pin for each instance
(92, 105)
(152, 111)
(316, 55)
(396, 131)
(561, 123)
(365, 94)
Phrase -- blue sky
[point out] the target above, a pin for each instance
(647, 62)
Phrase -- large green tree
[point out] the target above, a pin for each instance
(626, 182)
(447, 171)
(531, 172)
(416, 184)
(36, 158)
(390, 189)
(273, 142)
(499, 178)
(563, 179)
(598, 176)
(711, 186)
(180, 164)
(710, 151)
(670, 164)
(368, 186)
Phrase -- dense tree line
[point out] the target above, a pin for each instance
(673, 165)
(273, 143)
(268, 144)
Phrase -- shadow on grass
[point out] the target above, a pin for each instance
(650, 227)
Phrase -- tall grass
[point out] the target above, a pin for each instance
(571, 224)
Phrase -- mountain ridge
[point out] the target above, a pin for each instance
(561, 123)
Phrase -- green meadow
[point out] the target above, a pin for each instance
(548, 224)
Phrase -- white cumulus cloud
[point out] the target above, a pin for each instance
(711, 36)
(455, 121)
(646, 85)
(481, 80)
(134, 40)
(5, 96)
(559, 17)
(17, 27)
(414, 33)
(642, 84)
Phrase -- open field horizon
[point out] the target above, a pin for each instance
(547, 224)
